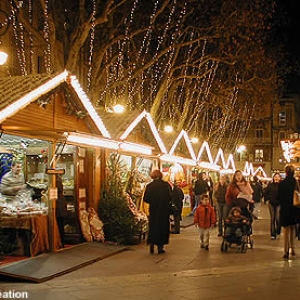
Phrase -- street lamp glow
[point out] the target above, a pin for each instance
(3, 57)
(168, 128)
(118, 108)
(241, 148)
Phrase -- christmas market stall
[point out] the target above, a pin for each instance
(44, 123)
(178, 163)
(139, 148)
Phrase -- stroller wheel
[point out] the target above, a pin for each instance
(222, 246)
(244, 248)
(251, 244)
(226, 246)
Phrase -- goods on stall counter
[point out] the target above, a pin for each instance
(136, 183)
(139, 215)
(37, 185)
(85, 225)
(21, 204)
(96, 226)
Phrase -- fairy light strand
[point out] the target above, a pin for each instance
(46, 31)
(31, 52)
(92, 38)
(17, 40)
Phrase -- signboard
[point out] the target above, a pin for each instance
(55, 171)
(53, 193)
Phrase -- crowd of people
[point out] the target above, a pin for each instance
(221, 203)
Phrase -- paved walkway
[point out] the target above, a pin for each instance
(184, 272)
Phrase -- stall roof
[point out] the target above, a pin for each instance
(136, 127)
(115, 123)
(14, 88)
(19, 92)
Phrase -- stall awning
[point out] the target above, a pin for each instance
(95, 141)
(46, 134)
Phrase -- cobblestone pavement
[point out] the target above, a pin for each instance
(184, 272)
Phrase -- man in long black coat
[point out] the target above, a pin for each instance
(158, 196)
(289, 214)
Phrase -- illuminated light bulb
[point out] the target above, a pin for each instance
(194, 140)
(241, 148)
(168, 128)
(3, 57)
(118, 108)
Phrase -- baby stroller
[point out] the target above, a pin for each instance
(247, 210)
(237, 231)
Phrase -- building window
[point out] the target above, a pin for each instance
(281, 136)
(259, 154)
(259, 133)
(282, 118)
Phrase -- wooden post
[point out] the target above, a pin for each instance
(52, 200)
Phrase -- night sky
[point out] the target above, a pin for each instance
(293, 28)
(290, 29)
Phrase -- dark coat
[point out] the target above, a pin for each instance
(201, 187)
(220, 192)
(158, 196)
(257, 191)
(177, 200)
(270, 193)
(289, 215)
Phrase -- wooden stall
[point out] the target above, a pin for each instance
(49, 108)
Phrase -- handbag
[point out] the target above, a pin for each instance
(245, 196)
(296, 199)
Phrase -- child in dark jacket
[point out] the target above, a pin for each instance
(236, 223)
(204, 219)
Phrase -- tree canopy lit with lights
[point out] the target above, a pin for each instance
(206, 66)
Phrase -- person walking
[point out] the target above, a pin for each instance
(219, 193)
(257, 194)
(177, 204)
(257, 188)
(289, 214)
(158, 196)
(204, 219)
(201, 187)
(270, 198)
(239, 192)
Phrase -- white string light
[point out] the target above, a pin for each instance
(46, 30)
(92, 38)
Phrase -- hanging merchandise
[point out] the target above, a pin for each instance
(5, 163)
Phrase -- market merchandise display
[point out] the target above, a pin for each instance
(140, 218)
(21, 204)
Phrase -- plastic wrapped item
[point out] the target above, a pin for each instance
(85, 226)
(96, 226)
